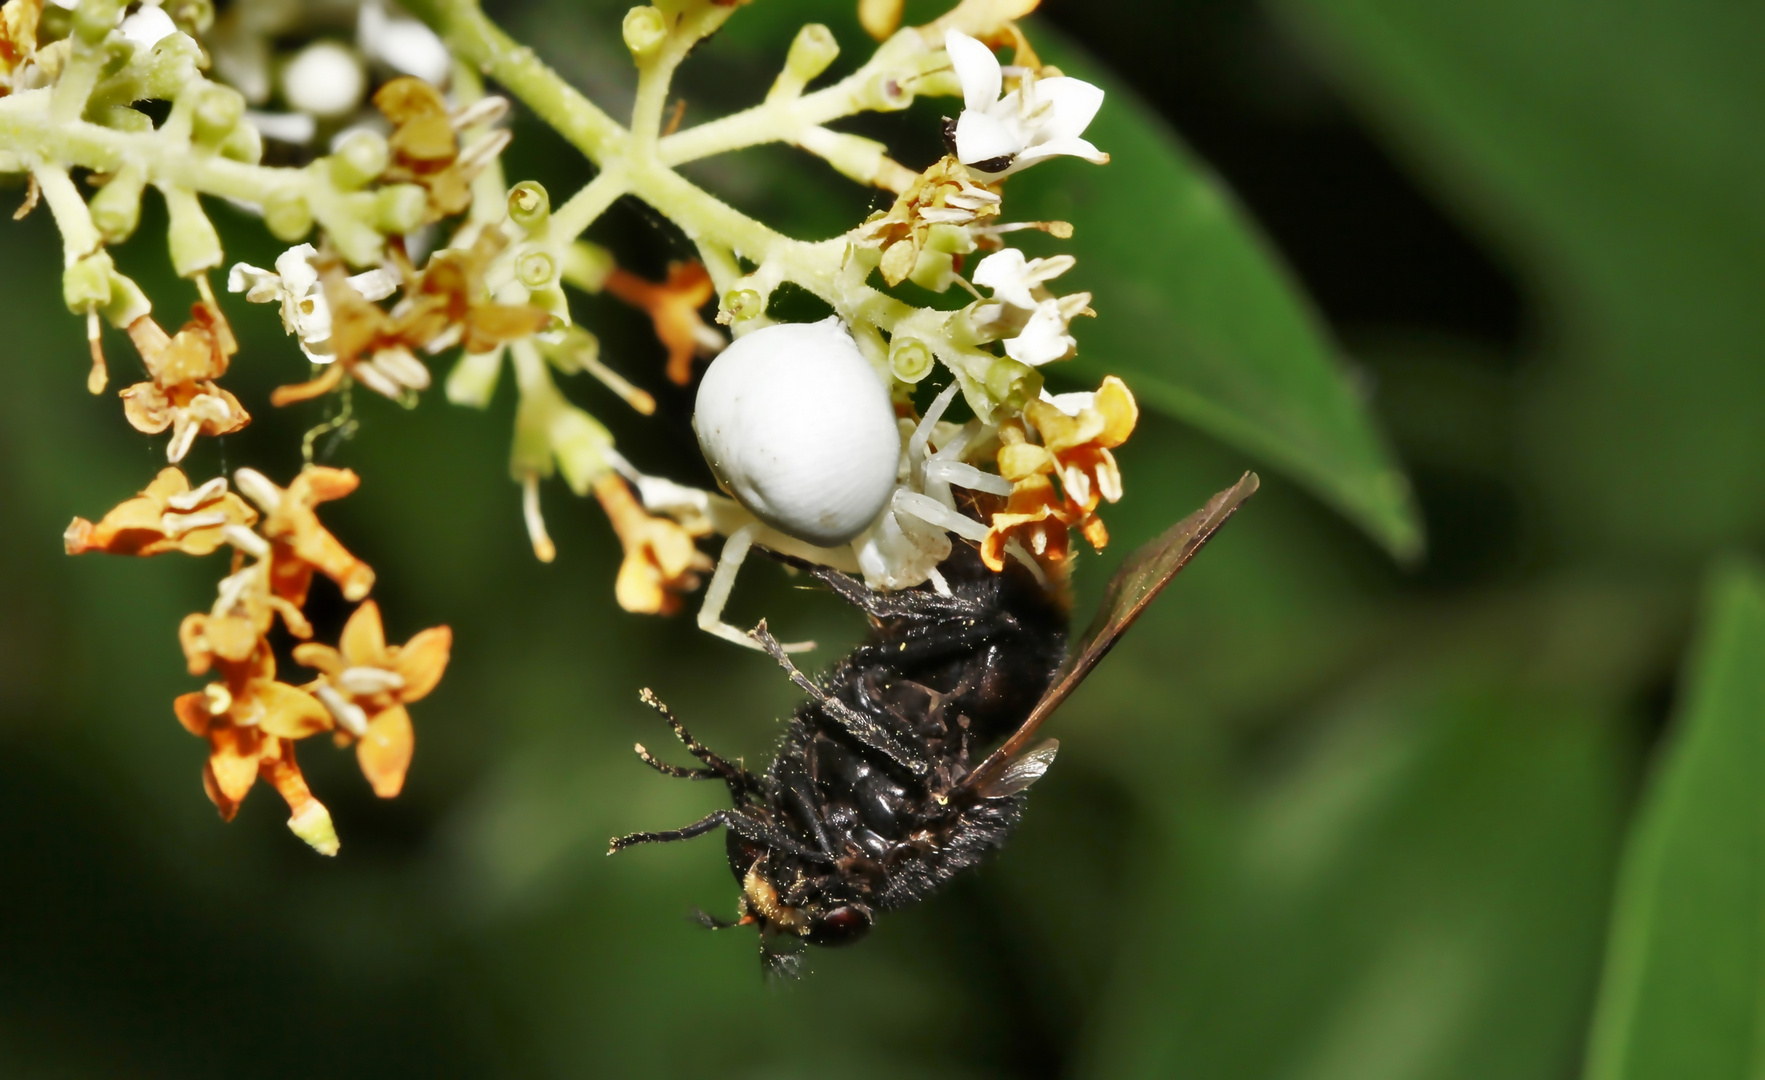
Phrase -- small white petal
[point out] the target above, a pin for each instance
(295, 266)
(297, 129)
(145, 28)
(260, 286)
(1004, 273)
(1071, 404)
(977, 69)
(1043, 339)
(981, 137)
(1072, 103)
(1078, 148)
(375, 284)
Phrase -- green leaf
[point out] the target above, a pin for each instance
(1407, 899)
(1613, 151)
(1684, 990)
(1199, 315)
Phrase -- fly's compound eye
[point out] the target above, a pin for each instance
(841, 926)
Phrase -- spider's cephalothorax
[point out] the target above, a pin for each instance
(876, 797)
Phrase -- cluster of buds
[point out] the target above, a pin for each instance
(250, 718)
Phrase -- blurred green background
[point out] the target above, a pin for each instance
(1323, 815)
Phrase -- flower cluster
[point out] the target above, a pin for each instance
(250, 717)
(406, 246)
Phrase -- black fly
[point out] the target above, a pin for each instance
(872, 802)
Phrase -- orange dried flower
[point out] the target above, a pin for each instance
(1034, 516)
(661, 560)
(181, 393)
(366, 684)
(298, 543)
(425, 145)
(673, 306)
(251, 722)
(167, 516)
(1078, 433)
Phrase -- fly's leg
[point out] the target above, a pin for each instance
(729, 564)
(863, 728)
(734, 820)
(908, 603)
(739, 779)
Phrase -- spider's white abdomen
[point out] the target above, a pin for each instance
(797, 426)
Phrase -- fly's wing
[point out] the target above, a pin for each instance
(1139, 580)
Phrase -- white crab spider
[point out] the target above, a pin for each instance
(799, 429)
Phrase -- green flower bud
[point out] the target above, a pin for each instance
(580, 443)
(1011, 384)
(127, 302)
(94, 19)
(401, 208)
(536, 269)
(472, 382)
(287, 215)
(954, 239)
(116, 209)
(86, 284)
(245, 144)
(888, 93)
(195, 246)
(217, 112)
(645, 28)
(359, 160)
(910, 359)
(934, 270)
(743, 303)
(529, 205)
(811, 51)
(587, 265)
(171, 66)
(122, 118)
(578, 350)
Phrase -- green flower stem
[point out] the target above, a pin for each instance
(656, 72)
(710, 223)
(79, 236)
(785, 119)
(478, 41)
(583, 208)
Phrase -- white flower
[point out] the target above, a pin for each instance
(1022, 306)
(295, 285)
(146, 27)
(402, 44)
(1044, 337)
(1042, 118)
(1016, 280)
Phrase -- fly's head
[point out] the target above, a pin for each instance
(795, 903)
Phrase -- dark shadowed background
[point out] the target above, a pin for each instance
(1320, 817)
